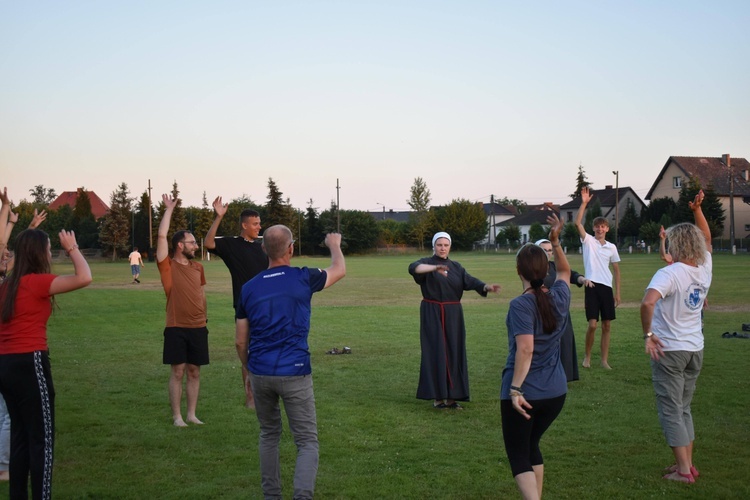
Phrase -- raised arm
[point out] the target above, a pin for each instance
(12, 221)
(561, 261)
(39, 217)
(700, 219)
(162, 245)
(4, 211)
(337, 269)
(221, 210)
(82, 276)
(663, 246)
(585, 199)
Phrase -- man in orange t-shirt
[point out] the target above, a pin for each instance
(185, 334)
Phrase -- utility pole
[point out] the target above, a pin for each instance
(150, 225)
(338, 208)
(728, 162)
(617, 203)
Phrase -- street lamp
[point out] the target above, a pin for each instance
(617, 203)
(382, 205)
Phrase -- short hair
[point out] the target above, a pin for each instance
(135, 249)
(276, 241)
(247, 213)
(177, 237)
(687, 242)
(600, 220)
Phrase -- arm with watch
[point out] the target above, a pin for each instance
(654, 344)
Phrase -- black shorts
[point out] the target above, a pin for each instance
(185, 345)
(599, 300)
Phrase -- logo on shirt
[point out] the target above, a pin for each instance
(695, 295)
(281, 273)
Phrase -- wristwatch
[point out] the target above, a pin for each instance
(648, 336)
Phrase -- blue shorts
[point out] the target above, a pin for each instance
(135, 269)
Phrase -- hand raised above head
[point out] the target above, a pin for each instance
(4, 196)
(586, 194)
(698, 201)
(333, 240)
(39, 217)
(219, 207)
(555, 228)
(168, 201)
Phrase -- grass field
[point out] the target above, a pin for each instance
(115, 438)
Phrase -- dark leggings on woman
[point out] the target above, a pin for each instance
(522, 436)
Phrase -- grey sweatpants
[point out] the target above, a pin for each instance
(674, 377)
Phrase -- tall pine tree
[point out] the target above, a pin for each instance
(116, 233)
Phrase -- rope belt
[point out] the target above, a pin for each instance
(445, 336)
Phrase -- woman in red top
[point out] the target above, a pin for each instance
(26, 299)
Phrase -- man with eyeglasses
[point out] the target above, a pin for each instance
(273, 323)
(185, 334)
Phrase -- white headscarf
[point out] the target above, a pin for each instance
(539, 242)
(441, 234)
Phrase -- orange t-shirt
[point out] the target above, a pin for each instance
(183, 284)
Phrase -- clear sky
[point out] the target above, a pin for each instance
(478, 98)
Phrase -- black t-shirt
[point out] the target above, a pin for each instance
(244, 260)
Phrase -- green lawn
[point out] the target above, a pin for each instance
(115, 438)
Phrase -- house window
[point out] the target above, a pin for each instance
(677, 182)
(570, 216)
(747, 227)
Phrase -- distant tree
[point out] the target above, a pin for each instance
(204, 217)
(711, 206)
(312, 232)
(141, 225)
(84, 224)
(631, 222)
(660, 209)
(512, 235)
(570, 237)
(41, 196)
(537, 231)
(520, 205)
(581, 182)
(359, 231)
(465, 221)
(179, 215)
(649, 232)
(278, 211)
(116, 226)
(420, 219)
(391, 232)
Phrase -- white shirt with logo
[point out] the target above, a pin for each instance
(677, 316)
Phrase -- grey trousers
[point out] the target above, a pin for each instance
(299, 405)
(674, 377)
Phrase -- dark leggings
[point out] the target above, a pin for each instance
(26, 385)
(522, 436)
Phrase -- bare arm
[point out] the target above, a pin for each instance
(561, 260)
(4, 210)
(524, 353)
(38, 218)
(653, 344)
(337, 269)
(220, 210)
(12, 220)
(585, 198)
(700, 219)
(663, 246)
(162, 245)
(616, 275)
(82, 276)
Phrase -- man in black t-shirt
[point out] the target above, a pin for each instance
(244, 257)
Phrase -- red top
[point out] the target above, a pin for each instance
(27, 329)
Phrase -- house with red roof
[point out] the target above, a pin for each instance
(98, 208)
(728, 183)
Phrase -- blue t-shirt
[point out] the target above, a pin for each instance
(546, 378)
(276, 304)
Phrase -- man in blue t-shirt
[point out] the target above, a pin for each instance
(273, 322)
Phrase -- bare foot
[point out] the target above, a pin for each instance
(178, 422)
(606, 366)
(586, 363)
(250, 403)
(194, 420)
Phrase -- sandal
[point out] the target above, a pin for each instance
(693, 470)
(679, 476)
(455, 406)
(335, 350)
(439, 406)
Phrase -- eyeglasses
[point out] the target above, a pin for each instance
(291, 244)
(190, 242)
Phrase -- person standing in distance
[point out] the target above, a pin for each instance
(275, 307)
(136, 262)
(244, 257)
(185, 334)
(598, 255)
